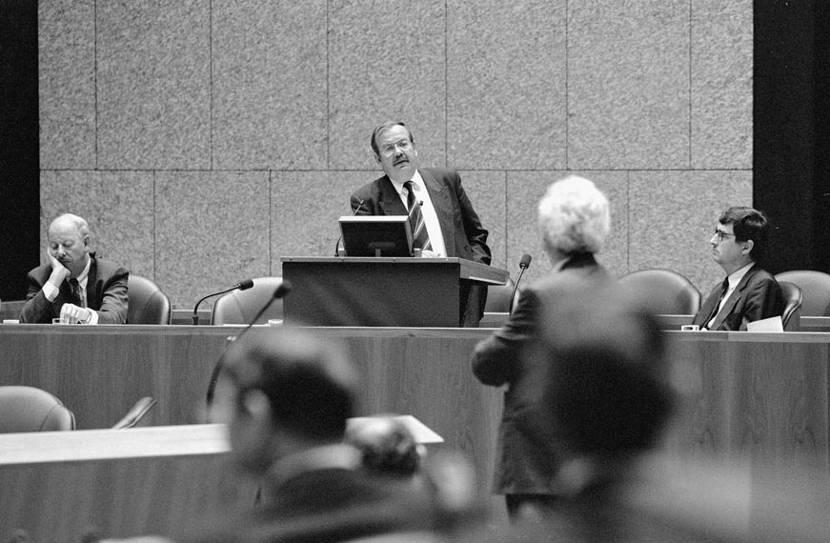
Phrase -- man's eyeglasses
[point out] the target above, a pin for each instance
(721, 235)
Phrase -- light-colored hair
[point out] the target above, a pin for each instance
(80, 223)
(574, 216)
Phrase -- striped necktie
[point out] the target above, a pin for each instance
(420, 236)
(75, 290)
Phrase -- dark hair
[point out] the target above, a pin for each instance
(310, 387)
(747, 224)
(380, 128)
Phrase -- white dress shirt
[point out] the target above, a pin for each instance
(436, 237)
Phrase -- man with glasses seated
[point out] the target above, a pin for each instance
(748, 293)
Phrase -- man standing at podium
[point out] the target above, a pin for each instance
(444, 221)
(74, 285)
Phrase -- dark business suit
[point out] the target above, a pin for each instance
(757, 296)
(106, 293)
(325, 505)
(525, 463)
(463, 234)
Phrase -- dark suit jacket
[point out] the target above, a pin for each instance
(525, 464)
(463, 233)
(325, 505)
(758, 296)
(464, 236)
(106, 293)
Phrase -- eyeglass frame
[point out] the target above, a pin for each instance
(721, 235)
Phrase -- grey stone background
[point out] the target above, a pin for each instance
(206, 139)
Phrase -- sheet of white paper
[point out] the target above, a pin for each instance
(772, 324)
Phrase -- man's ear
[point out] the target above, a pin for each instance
(256, 404)
(748, 245)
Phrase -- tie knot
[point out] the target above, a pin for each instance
(73, 282)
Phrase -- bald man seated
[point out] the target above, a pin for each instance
(74, 285)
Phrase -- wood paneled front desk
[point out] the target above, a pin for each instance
(763, 398)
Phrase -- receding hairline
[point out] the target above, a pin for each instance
(79, 223)
(386, 125)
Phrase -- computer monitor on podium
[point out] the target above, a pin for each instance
(376, 235)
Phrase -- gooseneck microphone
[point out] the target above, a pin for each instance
(281, 292)
(524, 263)
(340, 237)
(245, 284)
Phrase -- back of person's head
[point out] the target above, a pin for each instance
(608, 390)
(309, 384)
(574, 216)
(748, 224)
(386, 445)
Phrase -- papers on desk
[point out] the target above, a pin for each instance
(772, 324)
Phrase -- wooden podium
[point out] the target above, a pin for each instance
(381, 291)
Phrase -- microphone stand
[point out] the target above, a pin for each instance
(280, 292)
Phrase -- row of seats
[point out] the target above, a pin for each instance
(31, 409)
(667, 292)
(149, 305)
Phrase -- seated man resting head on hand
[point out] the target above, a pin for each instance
(74, 285)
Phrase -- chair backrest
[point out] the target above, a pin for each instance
(30, 409)
(663, 292)
(815, 289)
(498, 297)
(147, 303)
(240, 306)
(792, 304)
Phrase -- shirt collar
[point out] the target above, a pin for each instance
(336, 456)
(416, 180)
(736, 276)
(82, 278)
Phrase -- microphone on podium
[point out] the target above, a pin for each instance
(245, 284)
(524, 263)
(340, 237)
(281, 291)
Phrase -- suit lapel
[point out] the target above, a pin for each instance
(443, 206)
(390, 200)
(92, 284)
(734, 298)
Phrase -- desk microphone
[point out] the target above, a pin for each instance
(524, 263)
(337, 245)
(281, 292)
(245, 284)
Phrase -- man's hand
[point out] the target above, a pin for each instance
(59, 271)
(73, 314)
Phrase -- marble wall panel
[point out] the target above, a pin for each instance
(212, 230)
(487, 190)
(118, 207)
(525, 189)
(721, 84)
(673, 215)
(305, 211)
(386, 61)
(66, 66)
(628, 84)
(506, 84)
(269, 84)
(153, 81)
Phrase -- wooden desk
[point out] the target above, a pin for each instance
(58, 486)
(761, 397)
